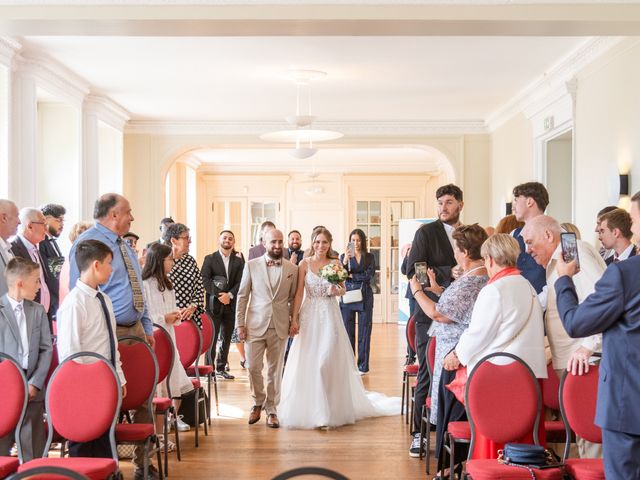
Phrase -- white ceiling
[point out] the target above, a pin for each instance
(239, 79)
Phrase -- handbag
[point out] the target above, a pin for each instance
(528, 456)
(352, 296)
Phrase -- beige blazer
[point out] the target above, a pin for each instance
(258, 304)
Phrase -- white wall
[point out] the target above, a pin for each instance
(607, 131)
(109, 158)
(4, 131)
(477, 179)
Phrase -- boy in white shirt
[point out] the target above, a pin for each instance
(86, 323)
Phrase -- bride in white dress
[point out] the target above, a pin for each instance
(321, 386)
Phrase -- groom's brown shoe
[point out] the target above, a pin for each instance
(272, 421)
(254, 416)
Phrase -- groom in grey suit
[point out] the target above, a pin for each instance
(263, 318)
(26, 337)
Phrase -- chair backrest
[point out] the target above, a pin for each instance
(13, 397)
(550, 389)
(208, 330)
(578, 398)
(503, 399)
(313, 471)
(140, 368)
(165, 354)
(83, 399)
(55, 361)
(411, 333)
(188, 342)
(47, 473)
(431, 354)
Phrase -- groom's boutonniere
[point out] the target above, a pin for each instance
(290, 275)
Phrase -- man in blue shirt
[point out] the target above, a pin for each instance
(112, 213)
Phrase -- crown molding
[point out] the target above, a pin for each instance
(354, 128)
(545, 88)
(107, 110)
(52, 76)
(9, 47)
(309, 2)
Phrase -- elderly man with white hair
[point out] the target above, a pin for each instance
(542, 238)
(32, 231)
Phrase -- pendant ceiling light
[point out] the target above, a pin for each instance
(302, 134)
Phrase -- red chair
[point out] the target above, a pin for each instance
(425, 422)
(13, 398)
(47, 473)
(57, 438)
(140, 368)
(208, 331)
(578, 397)
(82, 402)
(189, 344)
(409, 371)
(165, 354)
(555, 429)
(503, 404)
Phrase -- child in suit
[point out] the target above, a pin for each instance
(86, 323)
(25, 336)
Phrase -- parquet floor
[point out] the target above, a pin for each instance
(375, 448)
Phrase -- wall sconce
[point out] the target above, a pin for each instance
(507, 208)
(624, 184)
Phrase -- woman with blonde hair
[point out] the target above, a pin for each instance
(77, 230)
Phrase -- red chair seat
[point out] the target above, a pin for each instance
(460, 430)
(133, 432)
(8, 465)
(93, 468)
(162, 404)
(195, 382)
(202, 370)
(493, 470)
(428, 402)
(411, 369)
(585, 468)
(555, 431)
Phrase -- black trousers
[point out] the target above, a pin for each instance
(224, 323)
(422, 382)
(449, 410)
(621, 452)
(98, 448)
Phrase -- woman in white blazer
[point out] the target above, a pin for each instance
(507, 316)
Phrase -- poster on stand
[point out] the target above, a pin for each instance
(408, 228)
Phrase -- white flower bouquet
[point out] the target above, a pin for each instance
(334, 273)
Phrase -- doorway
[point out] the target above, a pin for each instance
(559, 170)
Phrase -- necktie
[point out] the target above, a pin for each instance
(274, 263)
(24, 341)
(107, 319)
(45, 298)
(138, 300)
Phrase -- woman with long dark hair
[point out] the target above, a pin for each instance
(361, 267)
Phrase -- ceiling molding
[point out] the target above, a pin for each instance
(107, 110)
(383, 128)
(8, 49)
(308, 2)
(555, 78)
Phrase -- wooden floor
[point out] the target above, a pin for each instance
(374, 448)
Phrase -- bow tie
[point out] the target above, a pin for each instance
(274, 263)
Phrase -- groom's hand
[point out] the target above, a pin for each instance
(242, 333)
(293, 329)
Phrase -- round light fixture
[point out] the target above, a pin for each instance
(303, 152)
(302, 135)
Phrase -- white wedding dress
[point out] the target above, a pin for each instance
(321, 386)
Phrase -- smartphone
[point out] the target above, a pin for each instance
(351, 247)
(421, 272)
(569, 244)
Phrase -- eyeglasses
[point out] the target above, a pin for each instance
(188, 237)
(38, 223)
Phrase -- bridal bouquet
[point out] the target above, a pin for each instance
(333, 273)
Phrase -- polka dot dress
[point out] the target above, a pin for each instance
(187, 283)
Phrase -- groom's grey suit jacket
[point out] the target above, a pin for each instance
(258, 303)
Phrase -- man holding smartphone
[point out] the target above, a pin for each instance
(542, 236)
(432, 244)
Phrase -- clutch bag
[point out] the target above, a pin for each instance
(352, 296)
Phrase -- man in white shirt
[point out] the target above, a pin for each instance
(542, 237)
(25, 336)
(614, 232)
(87, 324)
(9, 221)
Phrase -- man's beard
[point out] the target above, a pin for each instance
(52, 233)
(452, 220)
(295, 246)
(275, 255)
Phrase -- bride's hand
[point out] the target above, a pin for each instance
(335, 291)
(294, 328)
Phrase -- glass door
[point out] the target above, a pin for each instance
(369, 220)
(226, 214)
(261, 211)
(398, 209)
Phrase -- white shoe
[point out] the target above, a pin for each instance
(182, 427)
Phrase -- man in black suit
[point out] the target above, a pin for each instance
(295, 247)
(614, 232)
(164, 223)
(31, 232)
(52, 258)
(221, 274)
(433, 244)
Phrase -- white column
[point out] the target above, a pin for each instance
(90, 162)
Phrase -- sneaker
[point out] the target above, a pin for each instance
(225, 375)
(414, 451)
(182, 426)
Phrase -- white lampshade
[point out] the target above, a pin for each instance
(302, 135)
(303, 152)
